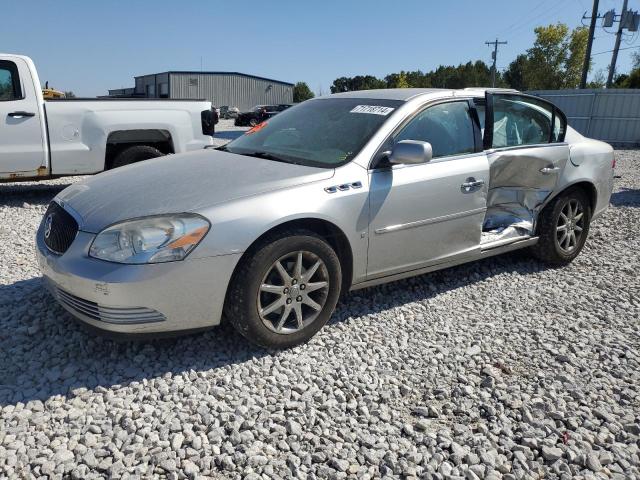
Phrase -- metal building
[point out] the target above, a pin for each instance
(221, 88)
(611, 115)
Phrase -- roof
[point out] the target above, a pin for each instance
(193, 72)
(405, 94)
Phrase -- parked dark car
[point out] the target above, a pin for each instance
(258, 114)
(227, 112)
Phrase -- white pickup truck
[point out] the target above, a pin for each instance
(43, 139)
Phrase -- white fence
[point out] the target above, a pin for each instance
(610, 115)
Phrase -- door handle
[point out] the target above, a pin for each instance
(471, 184)
(21, 114)
(548, 170)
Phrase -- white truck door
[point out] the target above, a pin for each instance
(22, 142)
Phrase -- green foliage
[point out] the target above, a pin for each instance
(301, 92)
(632, 80)
(360, 82)
(514, 76)
(469, 74)
(599, 80)
(397, 80)
(555, 60)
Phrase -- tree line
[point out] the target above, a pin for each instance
(553, 62)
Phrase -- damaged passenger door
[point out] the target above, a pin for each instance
(524, 142)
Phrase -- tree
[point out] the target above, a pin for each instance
(402, 81)
(599, 80)
(359, 82)
(634, 78)
(554, 61)
(575, 59)
(515, 74)
(301, 92)
(69, 94)
(397, 80)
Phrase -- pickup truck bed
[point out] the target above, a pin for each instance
(44, 139)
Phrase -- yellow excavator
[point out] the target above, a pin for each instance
(51, 93)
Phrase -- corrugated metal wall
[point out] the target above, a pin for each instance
(611, 115)
(232, 90)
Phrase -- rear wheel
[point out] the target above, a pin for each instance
(286, 291)
(253, 122)
(563, 228)
(134, 154)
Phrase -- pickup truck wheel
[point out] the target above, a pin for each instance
(283, 293)
(134, 154)
(563, 228)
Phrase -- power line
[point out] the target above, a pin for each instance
(552, 11)
(625, 48)
(524, 20)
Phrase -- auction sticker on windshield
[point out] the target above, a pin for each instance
(373, 109)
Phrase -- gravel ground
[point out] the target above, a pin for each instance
(502, 368)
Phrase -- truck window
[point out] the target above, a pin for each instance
(9, 82)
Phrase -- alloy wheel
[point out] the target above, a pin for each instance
(293, 292)
(570, 226)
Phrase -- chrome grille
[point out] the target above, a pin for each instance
(59, 229)
(122, 315)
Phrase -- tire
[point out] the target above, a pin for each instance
(253, 122)
(247, 300)
(134, 154)
(553, 247)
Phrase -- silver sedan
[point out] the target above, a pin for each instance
(337, 193)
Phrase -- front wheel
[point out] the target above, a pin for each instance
(283, 293)
(563, 227)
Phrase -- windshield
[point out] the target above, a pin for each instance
(321, 133)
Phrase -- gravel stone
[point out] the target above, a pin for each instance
(499, 369)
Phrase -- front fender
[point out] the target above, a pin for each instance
(237, 224)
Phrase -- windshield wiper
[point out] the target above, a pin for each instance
(266, 156)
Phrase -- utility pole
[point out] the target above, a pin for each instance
(494, 55)
(614, 57)
(587, 55)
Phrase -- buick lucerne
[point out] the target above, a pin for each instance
(334, 194)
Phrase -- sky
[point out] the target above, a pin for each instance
(90, 46)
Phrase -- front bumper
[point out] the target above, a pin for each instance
(155, 298)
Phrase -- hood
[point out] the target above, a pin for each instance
(179, 183)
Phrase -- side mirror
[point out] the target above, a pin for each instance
(410, 152)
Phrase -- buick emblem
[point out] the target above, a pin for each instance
(48, 222)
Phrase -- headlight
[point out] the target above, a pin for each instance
(150, 240)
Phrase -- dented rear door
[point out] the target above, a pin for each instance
(524, 142)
